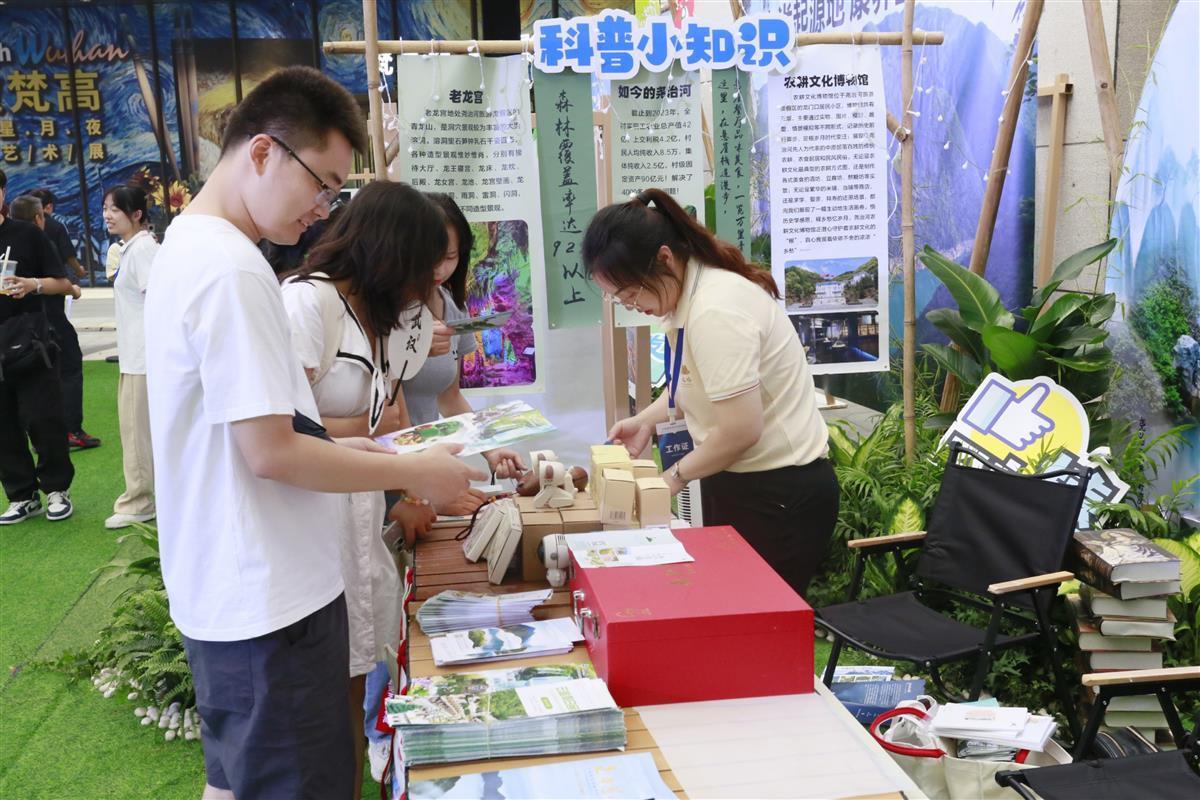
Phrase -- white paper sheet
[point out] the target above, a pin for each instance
(632, 548)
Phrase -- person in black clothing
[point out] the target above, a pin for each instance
(71, 358)
(31, 407)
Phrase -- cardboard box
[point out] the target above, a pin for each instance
(619, 500)
(537, 523)
(605, 456)
(653, 631)
(645, 468)
(653, 502)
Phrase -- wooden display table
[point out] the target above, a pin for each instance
(440, 564)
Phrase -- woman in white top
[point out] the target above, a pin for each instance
(375, 259)
(738, 376)
(125, 217)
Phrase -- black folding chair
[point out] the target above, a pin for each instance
(1163, 775)
(996, 542)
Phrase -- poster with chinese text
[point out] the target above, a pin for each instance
(465, 130)
(829, 201)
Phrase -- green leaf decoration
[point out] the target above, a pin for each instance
(1058, 311)
(1189, 563)
(959, 364)
(1077, 336)
(1099, 309)
(1092, 361)
(978, 301)
(841, 446)
(1016, 354)
(1072, 265)
(907, 517)
(1068, 270)
(950, 322)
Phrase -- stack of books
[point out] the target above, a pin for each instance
(1121, 613)
(453, 610)
(534, 717)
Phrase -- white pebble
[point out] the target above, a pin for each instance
(140, 711)
(146, 720)
(110, 692)
(169, 736)
(163, 722)
(131, 696)
(189, 736)
(173, 722)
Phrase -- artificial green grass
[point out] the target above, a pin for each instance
(60, 738)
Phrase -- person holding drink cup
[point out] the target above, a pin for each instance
(31, 408)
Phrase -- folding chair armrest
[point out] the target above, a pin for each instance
(1165, 675)
(1028, 584)
(892, 541)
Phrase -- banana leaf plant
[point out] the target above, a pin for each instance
(1062, 337)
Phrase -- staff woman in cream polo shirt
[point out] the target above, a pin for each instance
(744, 387)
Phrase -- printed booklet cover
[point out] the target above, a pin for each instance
(498, 426)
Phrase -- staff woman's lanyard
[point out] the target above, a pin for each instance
(672, 368)
(674, 440)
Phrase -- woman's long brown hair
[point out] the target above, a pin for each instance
(386, 242)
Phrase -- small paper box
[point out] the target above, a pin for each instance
(644, 468)
(653, 502)
(619, 499)
(605, 456)
(536, 524)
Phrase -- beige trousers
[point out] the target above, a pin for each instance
(133, 415)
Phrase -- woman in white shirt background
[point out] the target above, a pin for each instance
(744, 387)
(374, 261)
(132, 257)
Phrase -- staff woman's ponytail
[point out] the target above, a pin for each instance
(622, 241)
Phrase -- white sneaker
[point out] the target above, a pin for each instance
(21, 510)
(378, 754)
(117, 521)
(58, 505)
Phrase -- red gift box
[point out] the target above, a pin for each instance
(722, 626)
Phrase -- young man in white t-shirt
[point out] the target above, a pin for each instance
(248, 524)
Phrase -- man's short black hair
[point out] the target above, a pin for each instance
(45, 195)
(300, 106)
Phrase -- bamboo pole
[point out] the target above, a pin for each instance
(374, 101)
(509, 47)
(1058, 92)
(906, 230)
(999, 166)
(894, 127)
(1102, 71)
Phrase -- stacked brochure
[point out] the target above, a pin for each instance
(996, 725)
(547, 718)
(453, 610)
(628, 776)
(494, 680)
(478, 645)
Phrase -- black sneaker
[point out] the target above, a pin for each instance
(82, 440)
(21, 510)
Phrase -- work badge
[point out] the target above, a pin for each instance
(674, 441)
